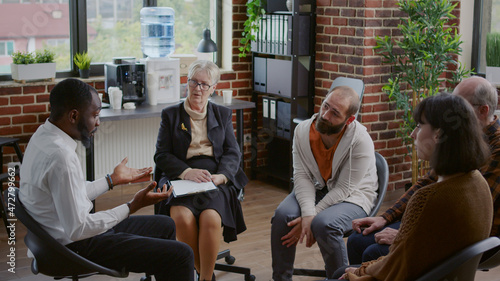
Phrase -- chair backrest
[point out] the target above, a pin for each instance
(51, 257)
(357, 84)
(383, 180)
(492, 261)
(462, 265)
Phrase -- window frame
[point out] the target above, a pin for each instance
(476, 36)
(78, 36)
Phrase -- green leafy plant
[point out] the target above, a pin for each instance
(22, 58)
(427, 48)
(44, 57)
(493, 49)
(82, 60)
(252, 25)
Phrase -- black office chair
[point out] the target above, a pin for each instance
(226, 254)
(463, 265)
(383, 180)
(54, 259)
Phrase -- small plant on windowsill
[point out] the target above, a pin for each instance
(252, 25)
(33, 66)
(82, 61)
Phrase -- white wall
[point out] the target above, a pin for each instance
(466, 22)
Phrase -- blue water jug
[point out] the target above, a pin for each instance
(157, 31)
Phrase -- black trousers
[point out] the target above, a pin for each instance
(141, 244)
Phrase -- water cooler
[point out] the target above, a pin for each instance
(157, 43)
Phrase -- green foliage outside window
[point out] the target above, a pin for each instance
(493, 49)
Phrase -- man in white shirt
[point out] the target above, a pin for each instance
(56, 195)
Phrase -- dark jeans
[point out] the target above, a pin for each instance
(362, 248)
(141, 244)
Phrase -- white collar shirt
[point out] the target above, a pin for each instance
(55, 193)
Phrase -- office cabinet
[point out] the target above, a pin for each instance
(283, 56)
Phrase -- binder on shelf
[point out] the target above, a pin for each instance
(260, 74)
(273, 102)
(265, 112)
(284, 118)
(275, 35)
(269, 109)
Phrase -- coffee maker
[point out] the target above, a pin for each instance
(129, 76)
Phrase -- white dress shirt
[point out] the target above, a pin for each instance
(55, 193)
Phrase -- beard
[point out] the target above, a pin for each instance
(85, 135)
(325, 127)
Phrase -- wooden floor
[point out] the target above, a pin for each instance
(251, 250)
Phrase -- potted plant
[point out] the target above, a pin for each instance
(493, 57)
(82, 61)
(427, 48)
(33, 66)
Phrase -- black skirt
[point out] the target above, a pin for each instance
(224, 200)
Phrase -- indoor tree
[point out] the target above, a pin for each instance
(429, 46)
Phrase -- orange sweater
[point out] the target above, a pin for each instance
(441, 219)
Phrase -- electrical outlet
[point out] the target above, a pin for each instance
(247, 138)
(14, 165)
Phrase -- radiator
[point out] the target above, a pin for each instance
(114, 140)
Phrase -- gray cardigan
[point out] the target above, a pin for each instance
(354, 174)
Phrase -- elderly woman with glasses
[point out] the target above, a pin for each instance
(196, 142)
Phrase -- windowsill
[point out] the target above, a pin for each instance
(12, 83)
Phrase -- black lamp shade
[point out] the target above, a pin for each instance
(206, 44)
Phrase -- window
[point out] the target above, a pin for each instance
(6, 48)
(33, 26)
(486, 20)
(112, 29)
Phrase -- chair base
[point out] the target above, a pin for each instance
(226, 255)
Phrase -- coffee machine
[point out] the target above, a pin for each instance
(129, 76)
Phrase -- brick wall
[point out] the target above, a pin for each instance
(346, 32)
(345, 37)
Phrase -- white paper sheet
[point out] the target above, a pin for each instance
(187, 187)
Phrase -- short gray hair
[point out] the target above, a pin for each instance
(211, 68)
(486, 94)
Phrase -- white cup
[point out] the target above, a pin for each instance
(100, 97)
(115, 97)
(227, 96)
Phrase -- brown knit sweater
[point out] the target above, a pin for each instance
(441, 219)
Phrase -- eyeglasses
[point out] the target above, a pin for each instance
(203, 86)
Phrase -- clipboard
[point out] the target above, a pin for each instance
(187, 187)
